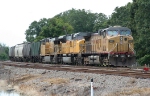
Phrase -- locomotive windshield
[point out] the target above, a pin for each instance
(125, 32)
(112, 33)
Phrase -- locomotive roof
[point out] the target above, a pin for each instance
(94, 34)
(82, 34)
(118, 28)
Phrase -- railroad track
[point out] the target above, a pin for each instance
(86, 69)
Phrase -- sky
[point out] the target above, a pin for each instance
(17, 15)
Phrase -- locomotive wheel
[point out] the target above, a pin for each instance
(55, 59)
(79, 60)
(59, 59)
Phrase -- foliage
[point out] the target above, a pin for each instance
(100, 21)
(54, 28)
(3, 52)
(3, 56)
(140, 18)
(34, 29)
(65, 23)
(83, 21)
(144, 60)
(51, 27)
(120, 16)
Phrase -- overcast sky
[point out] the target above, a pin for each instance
(17, 15)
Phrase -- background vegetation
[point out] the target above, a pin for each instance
(135, 16)
(3, 52)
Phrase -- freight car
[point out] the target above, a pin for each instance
(110, 46)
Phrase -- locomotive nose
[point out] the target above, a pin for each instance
(123, 39)
(123, 46)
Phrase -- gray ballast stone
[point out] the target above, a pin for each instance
(62, 83)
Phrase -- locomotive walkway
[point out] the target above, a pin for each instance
(86, 69)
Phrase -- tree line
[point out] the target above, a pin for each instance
(4, 52)
(133, 15)
(67, 22)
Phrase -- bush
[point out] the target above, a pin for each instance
(3, 56)
(144, 60)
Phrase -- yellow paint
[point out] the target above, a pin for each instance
(77, 46)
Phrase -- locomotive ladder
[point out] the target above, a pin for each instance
(112, 50)
(132, 49)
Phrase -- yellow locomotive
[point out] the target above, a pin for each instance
(110, 46)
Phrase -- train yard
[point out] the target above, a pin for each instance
(120, 71)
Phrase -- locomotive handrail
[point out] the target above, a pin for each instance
(113, 48)
(82, 47)
(132, 49)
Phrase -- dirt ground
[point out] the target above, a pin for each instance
(40, 82)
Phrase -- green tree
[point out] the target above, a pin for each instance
(54, 28)
(34, 29)
(82, 20)
(51, 27)
(100, 21)
(121, 16)
(3, 56)
(144, 60)
(3, 52)
(140, 24)
(70, 21)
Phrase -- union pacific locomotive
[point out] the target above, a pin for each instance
(111, 46)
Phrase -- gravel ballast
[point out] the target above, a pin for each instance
(40, 82)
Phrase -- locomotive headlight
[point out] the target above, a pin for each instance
(130, 41)
(111, 41)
